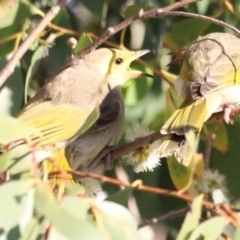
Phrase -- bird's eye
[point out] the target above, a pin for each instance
(118, 60)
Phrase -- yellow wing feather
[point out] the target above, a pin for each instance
(57, 122)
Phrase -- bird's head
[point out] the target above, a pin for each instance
(115, 64)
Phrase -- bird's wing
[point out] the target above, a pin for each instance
(212, 63)
(109, 110)
(57, 122)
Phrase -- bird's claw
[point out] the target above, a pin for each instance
(230, 113)
(105, 157)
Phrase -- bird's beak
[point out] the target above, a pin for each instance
(135, 55)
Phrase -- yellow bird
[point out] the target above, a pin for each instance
(62, 106)
(209, 82)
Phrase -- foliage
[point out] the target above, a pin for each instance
(28, 207)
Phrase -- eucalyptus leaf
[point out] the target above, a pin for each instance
(11, 93)
(192, 219)
(83, 42)
(20, 159)
(32, 230)
(14, 202)
(76, 205)
(208, 229)
(237, 234)
(34, 64)
(134, 9)
(118, 213)
(5, 6)
(185, 32)
(12, 129)
(118, 221)
(121, 197)
(66, 223)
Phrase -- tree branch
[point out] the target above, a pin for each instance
(10, 66)
(139, 142)
(160, 12)
(233, 218)
(141, 15)
(202, 17)
(168, 216)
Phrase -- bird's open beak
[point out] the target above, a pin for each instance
(135, 55)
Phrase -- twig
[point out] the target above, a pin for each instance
(9, 68)
(165, 11)
(139, 142)
(141, 15)
(208, 151)
(233, 218)
(160, 12)
(168, 216)
(202, 17)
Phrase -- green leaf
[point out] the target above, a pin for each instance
(184, 32)
(95, 7)
(12, 129)
(83, 42)
(20, 159)
(5, 6)
(134, 9)
(121, 197)
(119, 213)
(221, 140)
(118, 221)
(203, 6)
(208, 229)
(18, 13)
(14, 198)
(180, 174)
(76, 206)
(57, 215)
(74, 190)
(237, 234)
(192, 219)
(11, 93)
(32, 230)
(136, 89)
(34, 64)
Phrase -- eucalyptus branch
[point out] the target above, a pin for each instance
(141, 15)
(10, 66)
(139, 142)
(202, 17)
(168, 216)
(137, 185)
(156, 13)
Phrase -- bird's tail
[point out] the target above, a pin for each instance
(57, 169)
(189, 117)
(179, 147)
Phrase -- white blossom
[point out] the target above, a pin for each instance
(145, 158)
(212, 183)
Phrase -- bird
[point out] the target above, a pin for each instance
(208, 83)
(86, 94)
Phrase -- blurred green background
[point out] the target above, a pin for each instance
(145, 98)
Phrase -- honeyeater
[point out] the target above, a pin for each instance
(62, 106)
(209, 82)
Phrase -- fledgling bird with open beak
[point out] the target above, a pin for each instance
(209, 82)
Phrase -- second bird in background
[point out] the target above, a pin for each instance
(209, 82)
